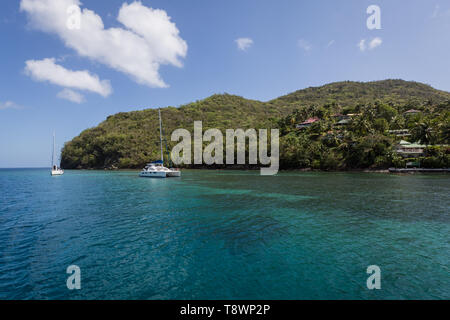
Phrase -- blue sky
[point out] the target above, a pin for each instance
(290, 45)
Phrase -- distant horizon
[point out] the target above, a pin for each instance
(6, 168)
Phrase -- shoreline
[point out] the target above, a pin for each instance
(243, 169)
(390, 170)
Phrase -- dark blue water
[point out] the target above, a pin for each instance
(224, 235)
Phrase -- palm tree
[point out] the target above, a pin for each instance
(398, 122)
(424, 132)
(446, 133)
(362, 125)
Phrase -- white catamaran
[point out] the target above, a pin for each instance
(156, 169)
(56, 171)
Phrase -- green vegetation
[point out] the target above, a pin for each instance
(367, 140)
(129, 140)
(350, 94)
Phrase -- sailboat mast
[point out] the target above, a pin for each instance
(53, 151)
(160, 135)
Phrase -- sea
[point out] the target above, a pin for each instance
(223, 234)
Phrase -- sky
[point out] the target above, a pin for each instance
(67, 65)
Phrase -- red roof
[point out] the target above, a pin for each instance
(310, 120)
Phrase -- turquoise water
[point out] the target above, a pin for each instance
(224, 235)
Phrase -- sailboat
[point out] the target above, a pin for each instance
(156, 169)
(56, 171)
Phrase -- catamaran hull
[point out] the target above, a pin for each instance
(174, 174)
(57, 172)
(153, 174)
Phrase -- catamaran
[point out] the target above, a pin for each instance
(156, 169)
(56, 171)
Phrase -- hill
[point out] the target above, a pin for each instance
(129, 140)
(350, 93)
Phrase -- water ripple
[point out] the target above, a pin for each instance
(223, 235)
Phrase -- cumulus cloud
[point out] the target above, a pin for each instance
(376, 42)
(362, 45)
(149, 37)
(48, 70)
(71, 95)
(244, 44)
(9, 105)
(305, 45)
(155, 27)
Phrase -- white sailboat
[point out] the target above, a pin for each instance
(156, 169)
(56, 171)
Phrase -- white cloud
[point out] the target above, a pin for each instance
(244, 43)
(155, 27)
(71, 95)
(362, 45)
(303, 44)
(330, 43)
(9, 105)
(148, 40)
(48, 70)
(376, 42)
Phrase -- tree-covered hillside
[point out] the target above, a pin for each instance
(348, 93)
(365, 136)
(129, 140)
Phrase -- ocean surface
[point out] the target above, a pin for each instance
(223, 235)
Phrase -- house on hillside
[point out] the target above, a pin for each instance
(343, 122)
(400, 133)
(307, 123)
(410, 150)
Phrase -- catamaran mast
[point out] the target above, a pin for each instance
(167, 148)
(160, 135)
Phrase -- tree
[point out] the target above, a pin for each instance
(381, 125)
(424, 132)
